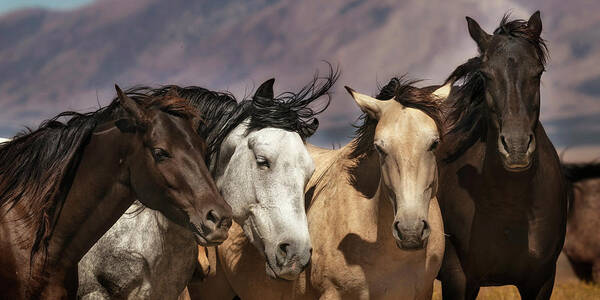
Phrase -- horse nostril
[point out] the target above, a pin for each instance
(503, 140)
(397, 229)
(425, 231)
(282, 253)
(283, 247)
(212, 217)
(530, 140)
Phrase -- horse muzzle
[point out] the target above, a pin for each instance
(288, 261)
(413, 236)
(516, 153)
(213, 230)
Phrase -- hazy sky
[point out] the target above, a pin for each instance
(10, 5)
(69, 60)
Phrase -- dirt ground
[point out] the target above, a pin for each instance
(566, 287)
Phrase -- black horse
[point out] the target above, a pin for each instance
(503, 195)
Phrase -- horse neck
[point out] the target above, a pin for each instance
(367, 194)
(99, 195)
(385, 209)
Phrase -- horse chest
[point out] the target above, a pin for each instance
(379, 273)
(368, 263)
(514, 242)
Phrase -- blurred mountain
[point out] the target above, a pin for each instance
(54, 61)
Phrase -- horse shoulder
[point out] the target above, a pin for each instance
(124, 255)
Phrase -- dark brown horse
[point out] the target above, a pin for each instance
(64, 185)
(502, 192)
(582, 245)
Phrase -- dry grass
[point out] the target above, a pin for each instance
(569, 290)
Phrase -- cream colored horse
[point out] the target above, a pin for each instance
(374, 220)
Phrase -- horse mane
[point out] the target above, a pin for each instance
(170, 103)
(222, 112)
(466, 121)
(291, 111)
(582, 171)
(38, 166)
(403, 92)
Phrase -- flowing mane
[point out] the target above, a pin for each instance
(222, 112)
(580, 172)
(403, 91)
(466, 120)
(38, 166)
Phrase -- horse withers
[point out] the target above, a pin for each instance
(63, 185)
(502, 193)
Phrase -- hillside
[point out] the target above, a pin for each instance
(53, 61)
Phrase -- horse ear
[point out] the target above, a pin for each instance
(130, 106)
(479, 35)
(443, 92)
(535, 24)
(265, 90)
(367, 104)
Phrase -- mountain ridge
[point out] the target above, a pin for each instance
(51, 61)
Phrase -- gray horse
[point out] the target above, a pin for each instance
(257, 155)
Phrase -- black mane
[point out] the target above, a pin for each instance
(403, 91)
(582, 171)
(222, 113)
(467, 118)
(39, 165)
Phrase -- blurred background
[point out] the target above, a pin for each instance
(67, 55)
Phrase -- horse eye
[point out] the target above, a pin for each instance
(434, 145)
(160, 154)
(262, 162)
